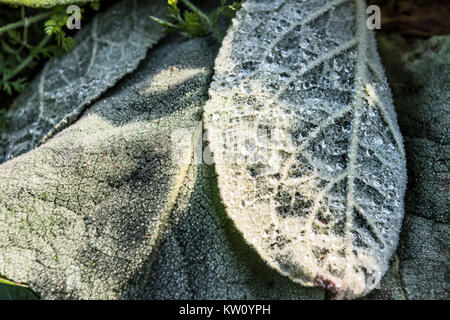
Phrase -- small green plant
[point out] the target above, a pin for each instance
(192, 22)
(23, 44)
(55, 26)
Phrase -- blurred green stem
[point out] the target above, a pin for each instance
(25, 22)
(27, 60)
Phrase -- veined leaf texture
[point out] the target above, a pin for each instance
(309, 156)
(107, 49)
(82, 216)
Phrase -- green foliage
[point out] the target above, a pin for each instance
(95, 5)
(189, 24)
(192, 22)
(27, 40)
(12, 291)
(55, 26)
(225, 9)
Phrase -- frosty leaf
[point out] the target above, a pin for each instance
(419, 74)
(308, 153)
(111, 46)
(83, 213)
(102, 210)
(202, 256)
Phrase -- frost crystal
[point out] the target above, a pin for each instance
(107, 49)
(325, 205)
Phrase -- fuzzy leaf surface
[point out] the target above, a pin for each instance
(309, 156)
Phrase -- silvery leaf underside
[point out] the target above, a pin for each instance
(309, 156)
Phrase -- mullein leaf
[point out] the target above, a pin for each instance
(315, 176)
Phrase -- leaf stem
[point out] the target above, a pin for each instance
(25, 22)
(11, 283)
(27, 60)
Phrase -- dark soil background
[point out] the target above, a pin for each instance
(414, 19)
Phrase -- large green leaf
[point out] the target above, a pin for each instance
(309, 156)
